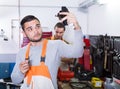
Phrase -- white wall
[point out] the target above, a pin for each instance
(105, 19)
(6, 15)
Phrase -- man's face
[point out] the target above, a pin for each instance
(33, 30)
(59, 32)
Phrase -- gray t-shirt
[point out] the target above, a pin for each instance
(55, 50)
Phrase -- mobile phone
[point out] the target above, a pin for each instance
(63, 9)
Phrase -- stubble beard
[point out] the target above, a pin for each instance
(33, 40)
(38, 40)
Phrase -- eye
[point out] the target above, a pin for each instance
(37, 26)
(61, 32)
(29, 29)
(57, 31)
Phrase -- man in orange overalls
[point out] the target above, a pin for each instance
(38, 62)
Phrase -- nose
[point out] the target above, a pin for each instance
(35, 30)
(58, 34)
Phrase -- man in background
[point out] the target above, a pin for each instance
(59, 29)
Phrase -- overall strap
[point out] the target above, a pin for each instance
(43, 54)
(52, 38)
(27, 52)
(45, 41)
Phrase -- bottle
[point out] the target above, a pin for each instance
(108, 84)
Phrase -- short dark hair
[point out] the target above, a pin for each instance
(27, 19)
(59, 25)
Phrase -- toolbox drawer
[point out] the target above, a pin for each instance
(4, 70)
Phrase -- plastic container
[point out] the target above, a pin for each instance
(108, 84)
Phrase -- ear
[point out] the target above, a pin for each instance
(24, 35)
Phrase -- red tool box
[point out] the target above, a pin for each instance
(65, 75)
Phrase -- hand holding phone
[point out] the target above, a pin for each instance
(63, 9)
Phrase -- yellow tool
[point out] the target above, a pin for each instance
(96, 82)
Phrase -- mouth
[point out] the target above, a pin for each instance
(37, 35)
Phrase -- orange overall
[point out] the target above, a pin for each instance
(38, 77)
